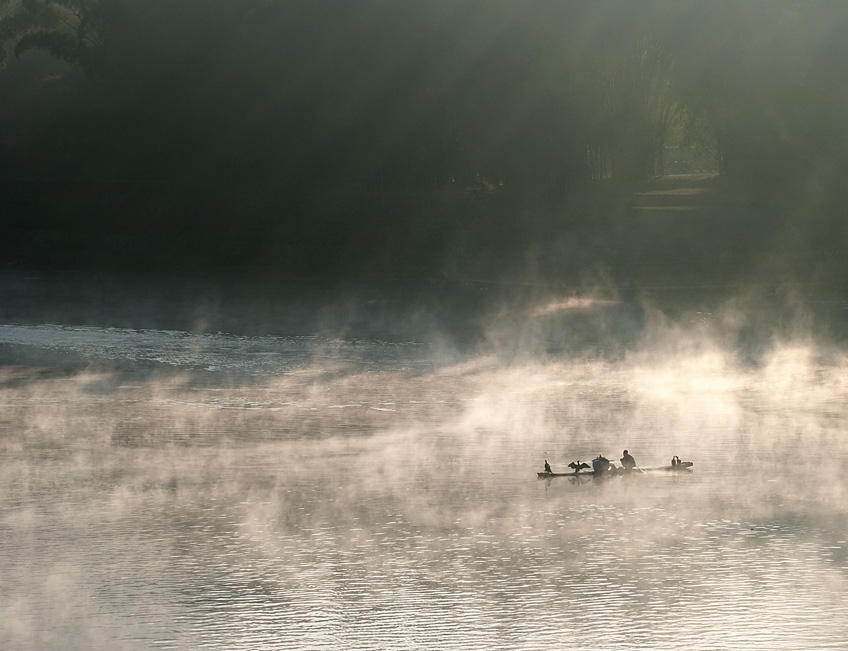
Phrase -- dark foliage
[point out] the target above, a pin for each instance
(381, 136)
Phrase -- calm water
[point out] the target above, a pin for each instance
(171, 490)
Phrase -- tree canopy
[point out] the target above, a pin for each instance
(297, 97)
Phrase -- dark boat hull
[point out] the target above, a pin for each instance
(684, 466)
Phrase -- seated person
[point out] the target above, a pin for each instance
(627, 461)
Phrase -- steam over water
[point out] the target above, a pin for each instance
(163, 489)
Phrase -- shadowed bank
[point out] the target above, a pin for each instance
(451, 141)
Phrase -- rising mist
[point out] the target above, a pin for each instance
(298, 297)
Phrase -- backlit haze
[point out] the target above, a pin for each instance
(297, 298)
(166, 488)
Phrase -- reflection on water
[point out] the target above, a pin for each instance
(295, 493)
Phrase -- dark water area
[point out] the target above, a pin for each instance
(452, 264)
(688, 235)
(308, 483)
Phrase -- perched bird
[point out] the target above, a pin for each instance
(578, 465)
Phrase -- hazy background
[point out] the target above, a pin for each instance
(440, 142)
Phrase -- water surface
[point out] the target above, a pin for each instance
(162, 489)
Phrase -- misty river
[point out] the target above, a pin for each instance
(178, 490)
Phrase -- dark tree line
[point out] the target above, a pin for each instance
(259, 121)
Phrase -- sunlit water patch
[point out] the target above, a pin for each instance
(364, 495)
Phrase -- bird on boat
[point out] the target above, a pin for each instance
(578, 465)
(547, 467)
